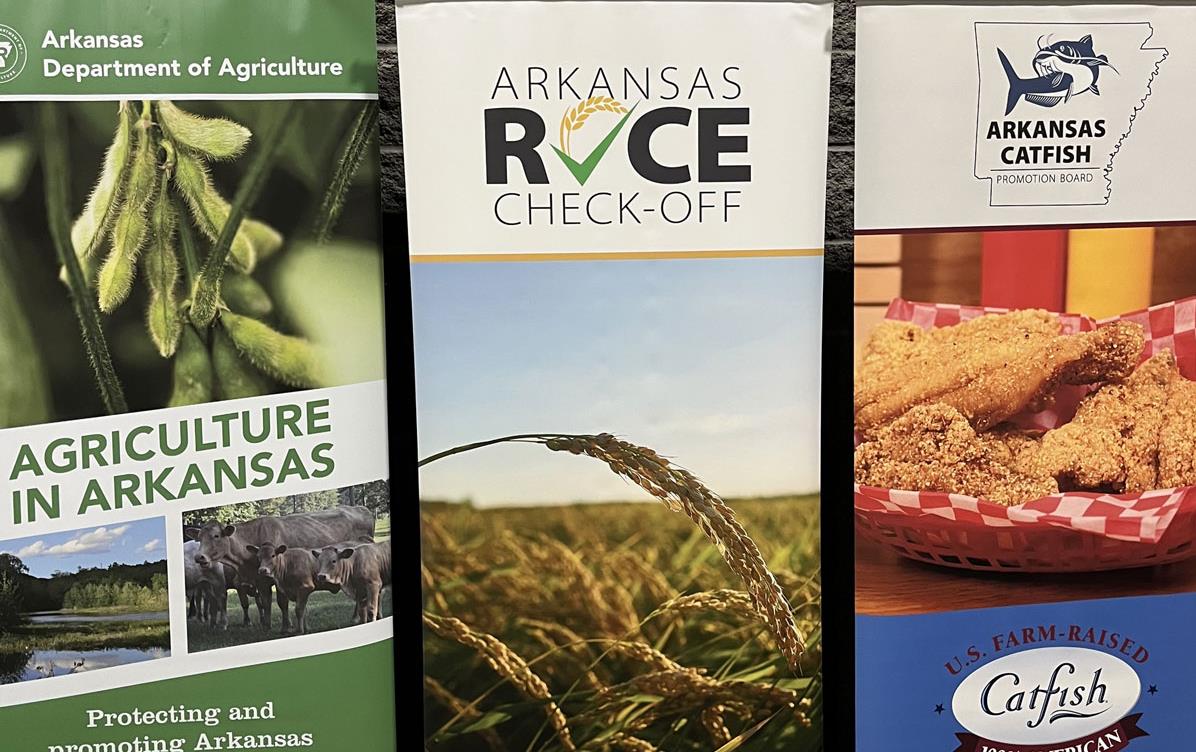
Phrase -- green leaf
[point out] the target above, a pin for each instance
(333, 294)
(307, 151)
(24, 396)
(490, 720)
(16, 161)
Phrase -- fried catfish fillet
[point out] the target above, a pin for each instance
(934, 448)
(1113, 442)
(1177, 438)
(988, 369)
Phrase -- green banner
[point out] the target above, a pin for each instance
(324, 703)
(222, 48)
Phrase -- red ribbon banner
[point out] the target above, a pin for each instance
(1111, 739)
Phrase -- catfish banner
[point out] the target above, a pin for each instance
(193, 409)
(1025, 382)
(615, 218)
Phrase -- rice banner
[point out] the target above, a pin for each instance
(195, 523)
(615, 215)
(1025, 382)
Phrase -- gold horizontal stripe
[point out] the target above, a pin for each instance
(462, 258)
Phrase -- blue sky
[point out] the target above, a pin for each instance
(714, 363)
(126, 543)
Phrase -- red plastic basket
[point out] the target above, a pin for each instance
(1070, 532)
(1048, 548)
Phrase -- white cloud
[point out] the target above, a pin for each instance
(93, 541)
(152, 546)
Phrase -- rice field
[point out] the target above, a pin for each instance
(616, 627)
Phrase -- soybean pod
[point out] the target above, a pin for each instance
(132, 224)
(209, 208)
(291, 360)
(235, 377)
(94, 224)
(216, 138)
(192, 371)
(242, 294)
(161, 269)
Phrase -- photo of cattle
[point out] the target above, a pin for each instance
(322, 558)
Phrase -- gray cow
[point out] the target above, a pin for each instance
(229, 544)
(361, 570)
(206, 589)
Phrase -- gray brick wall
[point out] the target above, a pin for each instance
(840, 169)
(840, 164)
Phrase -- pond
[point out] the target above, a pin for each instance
(67, 617)
(42, 664)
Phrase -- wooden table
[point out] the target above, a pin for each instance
(888, 584)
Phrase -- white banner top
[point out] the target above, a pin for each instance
(591, 128)
(986, 116)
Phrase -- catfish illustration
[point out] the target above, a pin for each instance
(1064, 70)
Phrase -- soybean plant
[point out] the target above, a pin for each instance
(154, 198)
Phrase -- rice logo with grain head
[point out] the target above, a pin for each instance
(13, 54)
(1053, 109)
(665, 146)
(1049, 698)
(574, 118)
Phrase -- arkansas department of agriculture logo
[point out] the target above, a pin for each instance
(13, 54)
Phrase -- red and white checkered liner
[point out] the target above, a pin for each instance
(1140, 519)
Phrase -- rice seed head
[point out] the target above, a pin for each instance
(435, 535)
(642, 652)
(242, 294)
(587, 589)
(563, 636)
(210, 209)
(630, 567)
(132, 225)
(690, 689)
(291, 360)
(575, 117)
(730, 602)
(215, 138)
(235, 378)
(587, 676)
(715, 725)
(192, 381)
(628, 743)
(506, 663)
(161, 268)
(682, 492)
(94, 224)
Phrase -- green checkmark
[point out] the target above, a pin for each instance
(583, 170)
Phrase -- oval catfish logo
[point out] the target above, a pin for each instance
(1046, 695)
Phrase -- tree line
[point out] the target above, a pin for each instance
(375, 496)
(153, 597)
(98, 587)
